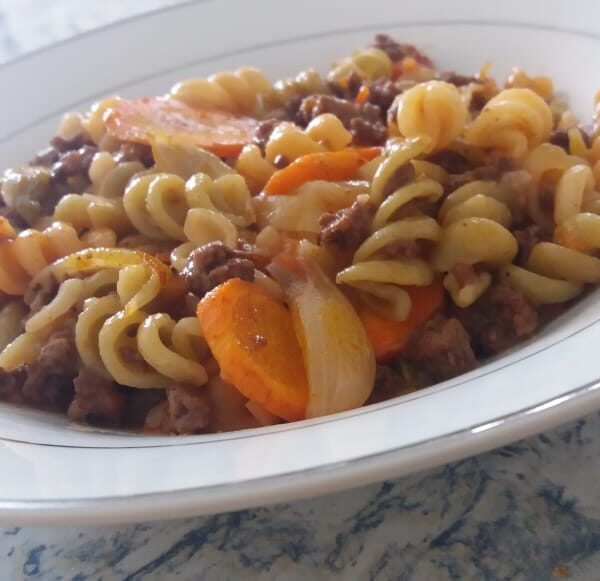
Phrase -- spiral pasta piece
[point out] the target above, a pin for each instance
(94, 122)
(160, 205)
(91, 212)
(289, 142)
(370, 64)
(472, 241)
(477, 199)
(109, 178)
(24, 256)
(11, 321)
(373, 272)
(433, 109)
(238, 92)
(307, 82)
(324, 133)
(255, 169)
(557, 271)
(513, 122)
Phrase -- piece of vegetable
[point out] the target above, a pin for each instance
(252, 337)
(331, 166)
(185, 160)
(362, 95)
(390, 337)
(338, 357)
(140, 120)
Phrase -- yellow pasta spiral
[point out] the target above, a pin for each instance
(513, 122)
(307, 82)
(109, 178)
(433, 109)
(557, 271)
(324, 133)
(370, 64)
(161, 206)
(288, 141)
(554, 272)
(237, 92)
(94, 123)
(25, 255)
(377, 276)
(88, 211)
(477, 199)
(468, 242)
(137, 348)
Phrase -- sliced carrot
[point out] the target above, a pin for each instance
(363, 95)
(331, 166)
(391, 337)
(220, 132)
(251, 335)
(406, 65)
(369, 153)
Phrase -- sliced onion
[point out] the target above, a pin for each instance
(186, 160)
(339, 359)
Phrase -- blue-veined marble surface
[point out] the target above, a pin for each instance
(529, 511)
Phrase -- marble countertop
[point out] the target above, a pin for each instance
(528, 511)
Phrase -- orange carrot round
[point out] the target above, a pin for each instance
(331, 166)
(220, 132)
(251, 335)
(391, 337)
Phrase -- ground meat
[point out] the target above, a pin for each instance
(59, 145)
(11, 385)
(46, 157)
(501, 318)
(348, 89)
(186, 411)
(456, 79)
(39, 294)
(452, 161)
(407, 248)
(364, 120)
(560, 137)
(16, 220)
(492, 172)
(132, 357)
(346, 228)
(367, 132)
(212, 264)
(139, 402)
(383, 93)
(397, 51)
(49, 379)
(73, 163)
(464, 274)
(389, 383)
(402, 176)
(135, 152)
(62, 145)
(263, 131)
(442, 348)
(527, 238)
(97, 400)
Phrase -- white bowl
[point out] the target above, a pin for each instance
(55, 472)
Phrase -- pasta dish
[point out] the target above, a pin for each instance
(241, 252)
